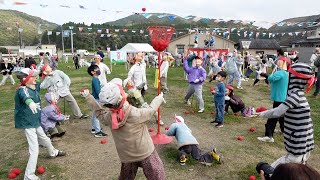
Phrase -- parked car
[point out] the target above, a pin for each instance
(85, 52)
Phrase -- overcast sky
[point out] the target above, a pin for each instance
(251, 10)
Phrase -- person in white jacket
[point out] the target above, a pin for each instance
(164, 67)
(137, 74)
(104, 69)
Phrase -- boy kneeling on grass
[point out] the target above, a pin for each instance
(187, 144)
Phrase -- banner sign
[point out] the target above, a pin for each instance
(118, 57)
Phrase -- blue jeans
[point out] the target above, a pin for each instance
(95, 123)
(219, 116)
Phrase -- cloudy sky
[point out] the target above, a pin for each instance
(251, 10)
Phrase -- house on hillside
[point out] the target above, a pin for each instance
(263, 46)
(313, 38)
(182, 43)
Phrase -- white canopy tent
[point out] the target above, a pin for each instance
(137, 47)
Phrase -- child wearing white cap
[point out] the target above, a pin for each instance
(188, 144)
(129, 130)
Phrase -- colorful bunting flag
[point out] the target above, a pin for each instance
(141, 31)
(102, 35)
(19, 3)
(64, 6)
(107, 31)
(257, 34)
(43, 5)
(39, 31)
(80, 29)
(125, 30)
(82, 7)
(89, 29)
(196, 19)
(99, 31)
(171, 17)
(49, 33)
(70, 27)
(161, 16)
(58, 33)
(147, 15)
(116, 30)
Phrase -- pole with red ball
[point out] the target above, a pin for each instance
(160, 39)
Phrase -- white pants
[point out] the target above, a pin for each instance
(4, 79)
(34, 137)
(290, 158)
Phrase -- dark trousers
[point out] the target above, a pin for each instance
(152, 168)
(143, 92)
(190, 149)
(316, 92)
(272, 122)
(77, 65)
(257, 80)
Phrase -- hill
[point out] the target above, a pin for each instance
(295, 24)
(9, 30)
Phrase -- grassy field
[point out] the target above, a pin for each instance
(88, 159)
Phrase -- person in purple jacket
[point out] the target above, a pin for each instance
(196, 76)
(51, 117)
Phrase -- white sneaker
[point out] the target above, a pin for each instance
(277, 131)
(201, 111)
(239, 87)
(188, 102)
(265, 139)
(161, 123)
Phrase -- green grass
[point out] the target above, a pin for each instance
(13, 151)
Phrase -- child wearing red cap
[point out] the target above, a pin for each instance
(27, 117)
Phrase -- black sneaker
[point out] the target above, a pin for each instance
(219, 125)
(214, 122)
(100, 134)
(60, 153)
(84, 116)
(93, 131)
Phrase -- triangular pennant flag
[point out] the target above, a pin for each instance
(71, 27)
(239, 34)
(232, 29)
(141, 31)
(206, 20)
(171, 17)
(245, 34)
(19, 3)
(147, 15)
(303, 33)
(273, 35)
(43, 5)
(64, 6)
(264, 34)
(282, 34)
(188, 17)
(107, 31)
(39, 31)
(102, 35)
(195, 19)
(270, 34)
(58, 33)
(109, 35)
(257, 34)
(116, 30)
(82, 7)
(125, 30)
(80, 29)
(297, 33)
(133, 31)
(99, 31)
(161, 16)
(49, 33)
(89, 29)
(290, 34)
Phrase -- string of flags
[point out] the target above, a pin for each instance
(190, 17)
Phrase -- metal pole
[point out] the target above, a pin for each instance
(48, 38)
(20, 44)
(71, 41)
(62, 40)
(158, 92)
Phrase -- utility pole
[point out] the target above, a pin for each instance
(62, 40)
(19, 32)
(71, 41)
(48, 37)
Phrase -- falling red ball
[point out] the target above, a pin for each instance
(252, 178)
(12, 175)
(166, 128)
(240, 138)
(16, 171)
(212, 113)
(41, 170)
(144, 9)
(151, 129)
(103, 141)
(252, 129)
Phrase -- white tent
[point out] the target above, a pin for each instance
(137, 47)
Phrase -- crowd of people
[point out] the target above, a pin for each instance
(120, 104)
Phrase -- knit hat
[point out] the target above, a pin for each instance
(301, 75)
(110, 94)
(179, 119)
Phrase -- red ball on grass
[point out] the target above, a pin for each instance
(166, 128)
(12, 175)
(252, 129)
(240, 138)
(252, 178)
(151, 129)
(40, 170)
(103, 141)
(16, 171)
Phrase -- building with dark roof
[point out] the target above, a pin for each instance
(263, 46)
(312, 40)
